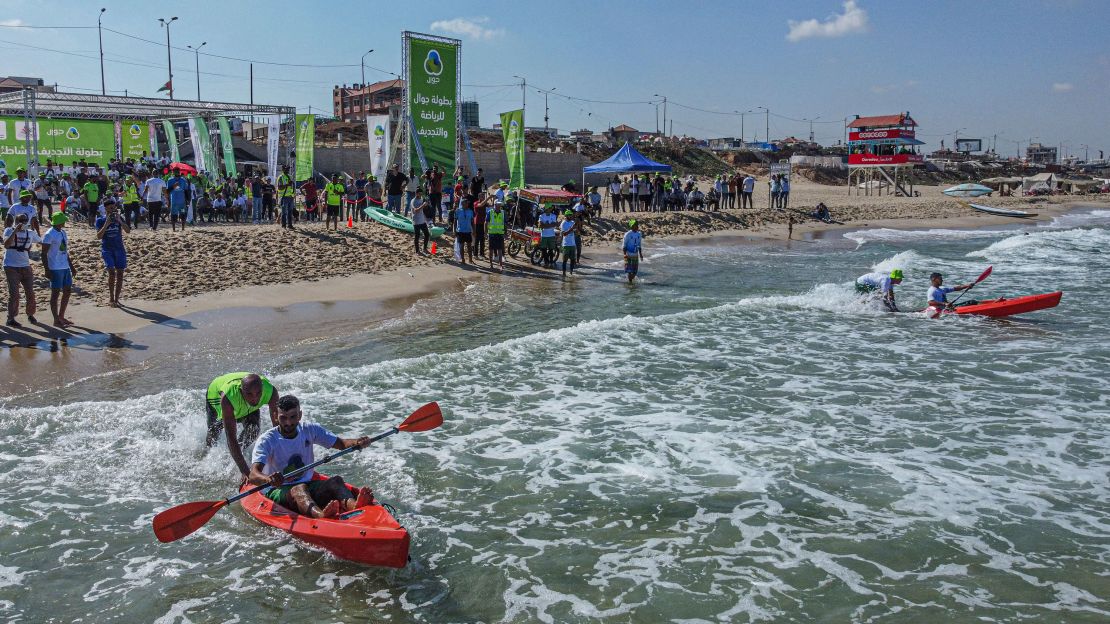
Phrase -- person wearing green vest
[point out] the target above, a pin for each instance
(285, 194)
(333, 193)
(90, 193)
(131, 202)
(235, 398)
(495, 228)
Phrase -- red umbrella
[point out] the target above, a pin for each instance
(183, 168)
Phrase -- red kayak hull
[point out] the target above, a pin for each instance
(369, 535)
(1010, 307)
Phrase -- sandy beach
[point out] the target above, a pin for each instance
(174, 275)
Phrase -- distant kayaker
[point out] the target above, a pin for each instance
(882, 283)
(938, 293)
(287, 447)
(235, 398)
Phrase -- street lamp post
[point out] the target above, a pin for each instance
(169, 58)
(767, 129)
(196, 51)
(523, 93)
(545, 110)
(811, 127)
(362, 64)
(664, 113)
(100, 36)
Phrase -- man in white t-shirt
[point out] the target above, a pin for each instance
(18, 240)
(153, 193)
(747, 190)
(937, 296)
(59, 268)
(882, 283)
(23, 206)
(5, 203)
(288, 447)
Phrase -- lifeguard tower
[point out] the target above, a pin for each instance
(881, 152)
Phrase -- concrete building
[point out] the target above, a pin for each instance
(1038, 154)
(354, 103)
(623, 133)
(469, 114)
(9, 84)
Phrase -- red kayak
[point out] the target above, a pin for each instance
(369, 535)
(1003, 306)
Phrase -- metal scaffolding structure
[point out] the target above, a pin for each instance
(32, 105)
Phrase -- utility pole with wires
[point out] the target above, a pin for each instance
(100, 36)
(169, 58)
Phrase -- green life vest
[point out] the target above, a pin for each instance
(496, 222)
(288, 190)
(230, 387)
(335, 193)
(130, 194)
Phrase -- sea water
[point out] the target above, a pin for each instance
(737, 437)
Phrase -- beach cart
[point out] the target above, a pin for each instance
(525, 211)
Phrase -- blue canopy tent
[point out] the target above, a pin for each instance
(626, 160)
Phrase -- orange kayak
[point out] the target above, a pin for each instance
(369, 535)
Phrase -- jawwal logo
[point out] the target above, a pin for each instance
(72, 134)
(379, 130)
(135, 131)
(304, 124)
(513, 124)
(433, 65)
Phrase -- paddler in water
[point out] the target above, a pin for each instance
(287, 447)
(237, 398)
(882, 283)
(938, 292)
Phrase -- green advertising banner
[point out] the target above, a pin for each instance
(171, 139)
(60, 140)
(432, 89)
(305, 142)
(134, 138)
(512, 130)
(228, 147)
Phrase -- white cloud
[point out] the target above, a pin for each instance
(472, 28)
(12, 22)
(1062, 87)
(852, 21)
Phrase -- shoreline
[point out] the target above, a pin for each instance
(307, 310)
(415, 282)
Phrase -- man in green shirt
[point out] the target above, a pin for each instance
(90, 192)
(234, 398)
(334, 192)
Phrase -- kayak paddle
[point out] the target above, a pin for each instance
(177, 522)
(982, 277)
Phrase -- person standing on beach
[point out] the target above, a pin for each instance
(395, 183)
(613, 189)
(748, 187)
(238, 398)
(333, 197)
(632, 247)
(23, 206)
(256, 198)
(176, 188)
(784, 192)
(286, 190)
(419, 221)
(776, 188)
(131, 201)
(18, 239)
(309, 190)
(570, 247)
(480, 226)
(548, 248)
(59, 268)
(464, 229)
(495, 218)
(110, 230)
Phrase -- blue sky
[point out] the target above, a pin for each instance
(1021, 69)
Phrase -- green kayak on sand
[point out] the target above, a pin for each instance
(389, 218)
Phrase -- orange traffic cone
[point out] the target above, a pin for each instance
(433, 248)
(350, 221)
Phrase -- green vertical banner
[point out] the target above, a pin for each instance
(171, 140)
(60, 140)
(134, 138)
(228, 147)
(512, 130)
(305, 144)
(432, 86)
(207, 161)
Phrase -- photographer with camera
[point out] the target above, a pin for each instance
(110, 230)
(18, 240)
